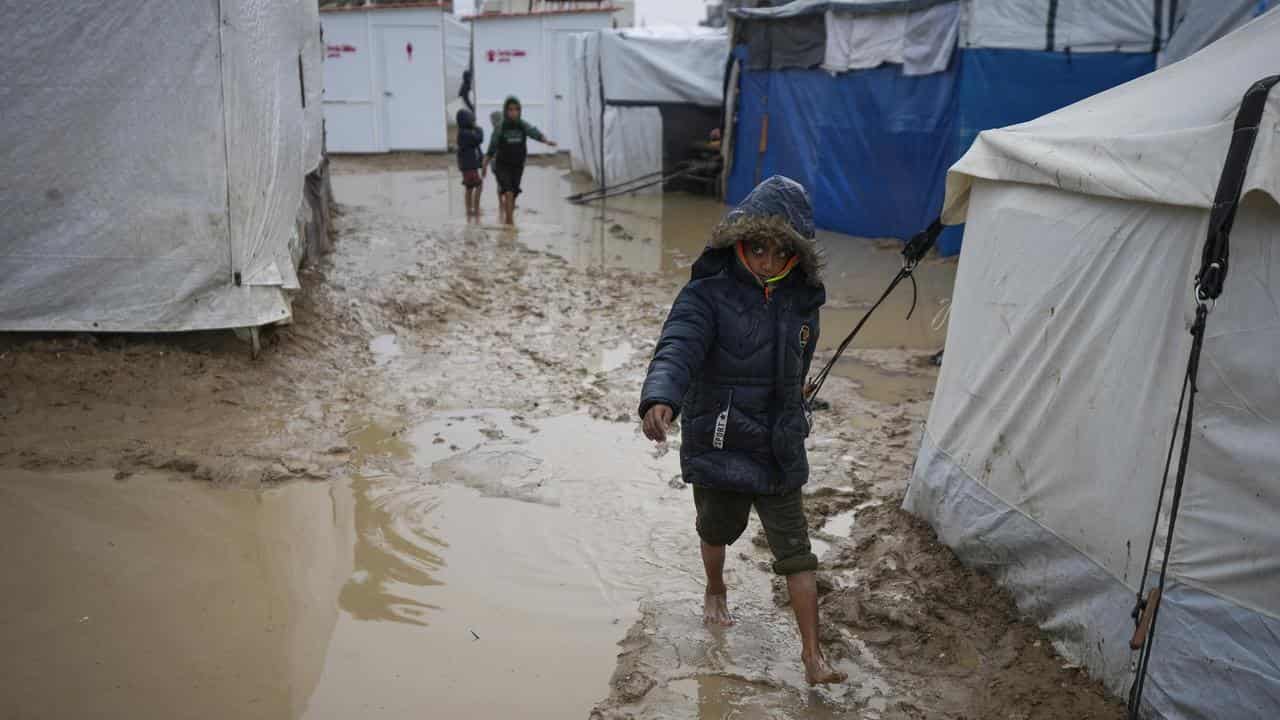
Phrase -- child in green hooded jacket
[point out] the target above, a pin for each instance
(508, 150)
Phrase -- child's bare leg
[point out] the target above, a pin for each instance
(715, 605)
(803, 588)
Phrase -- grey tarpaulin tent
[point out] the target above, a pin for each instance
(155, 162)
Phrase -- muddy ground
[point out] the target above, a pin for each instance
(430, 495)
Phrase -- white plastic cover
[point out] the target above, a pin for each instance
(1201, 22)
(668, 65)
(313, 83)
(922, 41)
(457, 55)
(1068, 338)
(632, 144)
(142, 176)
(1081, 25)
(647, 68)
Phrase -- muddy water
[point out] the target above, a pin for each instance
(156, 598)
(493, 550)
(664, 233)
(468, 550)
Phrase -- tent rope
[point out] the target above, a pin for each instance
(1208, 287)
(912, 253)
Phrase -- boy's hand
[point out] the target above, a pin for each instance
(656, 422)
(552, 143)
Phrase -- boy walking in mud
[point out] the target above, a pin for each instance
(732, 360)
(508, 150)
(470, 159)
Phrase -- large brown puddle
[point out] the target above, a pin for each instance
(476, 565)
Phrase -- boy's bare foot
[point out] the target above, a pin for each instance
(715, 609)
(818, 672)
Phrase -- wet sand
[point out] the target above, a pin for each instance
(430, 496)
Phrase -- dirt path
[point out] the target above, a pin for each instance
(461, 398)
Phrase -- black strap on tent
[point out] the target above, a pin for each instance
(1208, 287)
(912, 253)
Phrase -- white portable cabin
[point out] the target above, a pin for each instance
(642, 95)
(527, 55)
(1044, 454)
(384, 77)
(158, 160)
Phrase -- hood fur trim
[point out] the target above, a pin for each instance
(739, 227)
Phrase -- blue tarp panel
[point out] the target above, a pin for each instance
(873, 146)
(1007, 87)
(868, 145)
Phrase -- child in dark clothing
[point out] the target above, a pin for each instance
(732, 359)
(470, 158)
(508, 149)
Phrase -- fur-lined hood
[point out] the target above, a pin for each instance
(779, 208)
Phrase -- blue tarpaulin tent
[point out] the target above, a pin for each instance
(869, 107)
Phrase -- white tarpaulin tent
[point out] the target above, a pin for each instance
(1043, 455)
(644, 72)
(154, 162)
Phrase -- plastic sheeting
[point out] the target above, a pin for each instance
(647, 75)
(632, 144)
(798, 8)
(665, 66)
(1081, 25)
(921, 41)
(1065, 352)
(790, 42)
(873, 146)
(457, 55)
(144, 177)
(1201, 22)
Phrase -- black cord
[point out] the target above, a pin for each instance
(821, 377)
(1164, 484)
(1193, 369)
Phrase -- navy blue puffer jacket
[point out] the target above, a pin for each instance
(733, 359)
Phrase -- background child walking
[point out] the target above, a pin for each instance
(470, 158)
(508, 150)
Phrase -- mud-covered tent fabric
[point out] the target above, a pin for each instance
(1043, 454)
(154, 176)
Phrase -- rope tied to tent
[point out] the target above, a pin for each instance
(1208, 287)
(912, 253)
